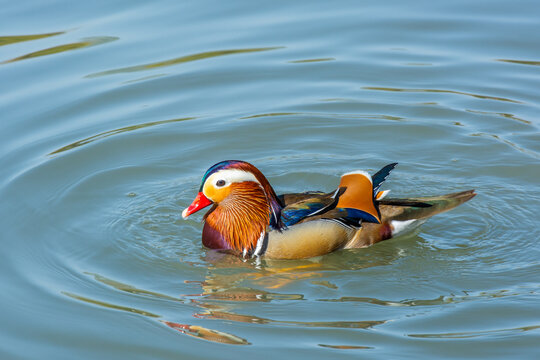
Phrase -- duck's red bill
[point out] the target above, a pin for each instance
(199, 203)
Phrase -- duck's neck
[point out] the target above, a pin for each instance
(239, 221)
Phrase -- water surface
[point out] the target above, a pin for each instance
(112, 111)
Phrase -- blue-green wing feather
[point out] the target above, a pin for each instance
(297, 212)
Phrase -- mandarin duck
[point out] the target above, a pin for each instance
(249, 219)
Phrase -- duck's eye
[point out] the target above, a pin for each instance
(220, 183)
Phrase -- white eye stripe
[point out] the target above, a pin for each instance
(231, 176)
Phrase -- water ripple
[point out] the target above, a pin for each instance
(87, 42)
(333, 115)
(478, 96)
(191, 330)
(499, 138)
(121, 130)
(521, 62)
(476, 334)
(501, 114)
(182, 59)
(310, 60)
(441, 300)
(109, 305)
(7, 40)
(346, 347)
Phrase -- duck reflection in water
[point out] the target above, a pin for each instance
(231, 281)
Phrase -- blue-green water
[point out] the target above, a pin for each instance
(111, 112)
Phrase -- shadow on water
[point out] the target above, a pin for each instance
(182, 59)
(106, 134)
(87, 42)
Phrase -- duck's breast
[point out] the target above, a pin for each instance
(213, 239)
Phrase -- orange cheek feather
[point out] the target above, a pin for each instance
(214, 194)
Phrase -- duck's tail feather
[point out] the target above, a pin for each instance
(401, 216)
(380, 176)
(422, 207)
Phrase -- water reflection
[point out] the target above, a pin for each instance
(230, 281)
(92, 41)
(227, 274)
(217, 290)
(207, 334)
(325, 283)
(222, 291)
(182, 59)
(231, 316)
(191, 330)
(223, 273)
